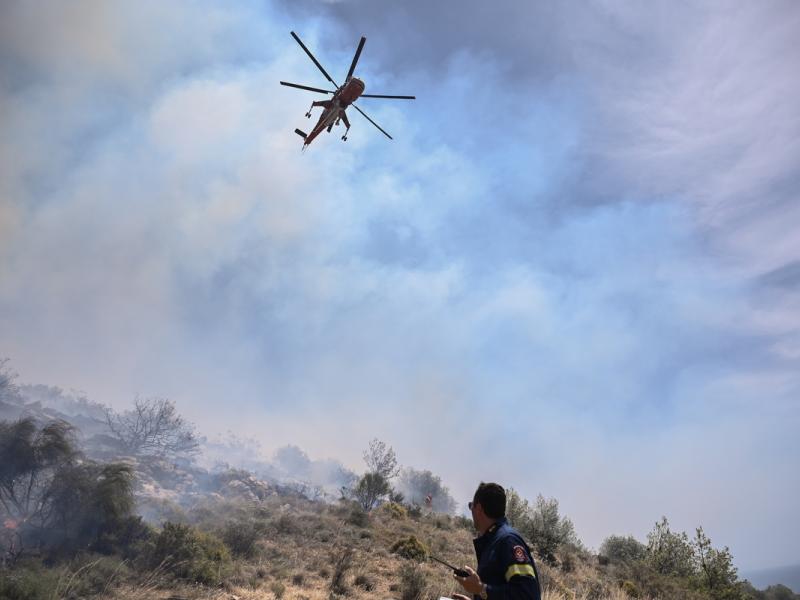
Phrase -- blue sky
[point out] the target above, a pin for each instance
(574, 270)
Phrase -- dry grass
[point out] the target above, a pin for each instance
(296, 559)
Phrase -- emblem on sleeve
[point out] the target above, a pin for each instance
(519, 554)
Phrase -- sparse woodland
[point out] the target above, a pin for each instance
(72, 508)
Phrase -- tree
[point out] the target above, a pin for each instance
(418, 485)
(381, 460)
(714, 568)
(619, 549)
(549, 530)
(669, 553)
(370, 490)
(153, 428)
(8, 387)
(50, 497)
(30, 460)
(542, 525)
(518, 511)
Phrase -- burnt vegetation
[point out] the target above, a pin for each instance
(72, 506)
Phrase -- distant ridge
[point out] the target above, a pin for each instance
(763, 578)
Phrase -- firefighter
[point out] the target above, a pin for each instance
(506, 570)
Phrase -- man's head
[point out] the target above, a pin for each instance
(488, 504)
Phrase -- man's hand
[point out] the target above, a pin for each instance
(471, 583)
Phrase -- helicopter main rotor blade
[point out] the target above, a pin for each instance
(371, 121)
(382, 96)
(311, 56)
(305, 87)
(355, 58)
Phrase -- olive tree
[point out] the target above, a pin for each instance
(541, 525)
(370, 490)
(619, 549)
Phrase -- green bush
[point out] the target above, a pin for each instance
(410, 548)
(630, 589)
(191, 554)
(28, 581)
(241, 538)
(395, 510)
(128, 539)
(619, 549)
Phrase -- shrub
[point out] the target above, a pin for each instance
(129, 538)
(278, 589)
(358, 517)
(364, 582)
(395, 510)
(442, 523)
(619, 549)
(629, 588)
(410, 548)
(341, 565)
(287, 525)
(568, 562)
(90, 576)
(28, 581)
(191, 554)
(241, 538)
(412, 582)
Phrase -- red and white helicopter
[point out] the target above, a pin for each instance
(344, 96)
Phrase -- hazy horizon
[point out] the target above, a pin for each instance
(575, 270)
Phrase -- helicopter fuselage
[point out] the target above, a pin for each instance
(333, 109)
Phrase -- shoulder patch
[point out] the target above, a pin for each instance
(519, 554)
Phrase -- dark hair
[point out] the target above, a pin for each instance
(492, 497)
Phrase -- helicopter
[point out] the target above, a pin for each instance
(345, 95)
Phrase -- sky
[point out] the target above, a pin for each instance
(575, 270)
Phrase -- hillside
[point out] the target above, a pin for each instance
(226, 532)
(788, 576)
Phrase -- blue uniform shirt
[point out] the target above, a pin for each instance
(505, 564)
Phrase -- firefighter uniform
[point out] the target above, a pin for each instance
(505, 564)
